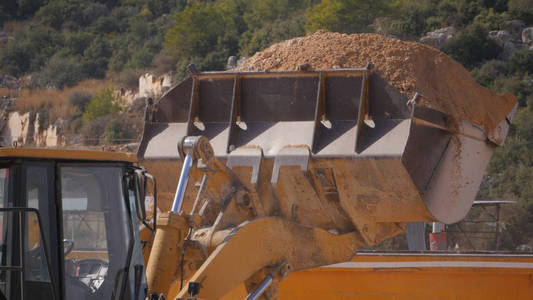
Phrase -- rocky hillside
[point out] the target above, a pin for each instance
(52, 118)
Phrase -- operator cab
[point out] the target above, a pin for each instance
(68, 225)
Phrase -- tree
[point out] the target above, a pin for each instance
(272, 32)
(80, 99)
(141, 59)
(521, 62)
(102, 104)
(268, 21)
(96, 58)
(27, 8)
(77, 42)
(490, 71)
(472, 46)
(105, 24)
(57, 12)
(9, 7)
(14, 59)
(30, 50)
(263, 12)
(197, 31)
(91, 12)
(119, 131)
(522, 9)
(19, 8)
(62, 71)
(346, 15)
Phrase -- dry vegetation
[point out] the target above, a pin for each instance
(13, 26)
(10, 93)
(58, 102)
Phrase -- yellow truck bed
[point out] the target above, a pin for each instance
(412, 276)
(379, 276)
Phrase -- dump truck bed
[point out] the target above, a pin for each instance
(417, 276)
(413, 276)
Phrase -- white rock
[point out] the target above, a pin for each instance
(232, 63)
(152, 86)
(502, 36)
(527, 35)
(242, 60)
(438, 37)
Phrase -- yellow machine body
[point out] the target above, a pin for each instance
(294, 170)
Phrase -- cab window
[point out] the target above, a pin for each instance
(95, 230)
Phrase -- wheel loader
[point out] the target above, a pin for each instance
(258, 175)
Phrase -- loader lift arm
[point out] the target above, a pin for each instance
(254, 243)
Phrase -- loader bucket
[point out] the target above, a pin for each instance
(339, 149)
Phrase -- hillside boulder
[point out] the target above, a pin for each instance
(527, 36)
(501, 36)
(438, 37)
(515, 27)
(509, 48)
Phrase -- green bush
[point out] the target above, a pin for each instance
(196, 32)
(140, 30)
(141, 59)
(102, 104)
(521, 9)
(99, 48)
(519, 85)
(346, 15)
(498, 5)
(521, 62)
(96, 58)
(413, 19)
(118, 60)
(44, 118)
(489, 72)
(61, 71)
(524, 125)
(491, 20)
(14, 59)
(30, 49)
(119, 131)
(164, 62)
(279, 30)
(58, 12)
(92, 132)
(472, 46)
(105, 24)
(80, 99)
(459, 13)
(92, 12)
(128, 78)
(27, 8)
(76, 43)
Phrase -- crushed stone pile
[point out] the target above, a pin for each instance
(411, 67)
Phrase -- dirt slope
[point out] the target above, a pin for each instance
(409, 66)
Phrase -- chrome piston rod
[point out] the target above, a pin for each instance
(182, 184)
(261, 289)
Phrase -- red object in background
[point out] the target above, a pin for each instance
(437, 241)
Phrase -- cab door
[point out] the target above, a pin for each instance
(28, 234)
(97, 227)
(38, 192)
